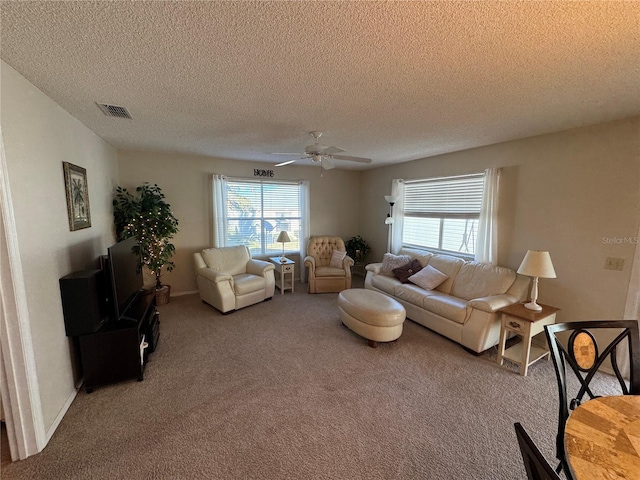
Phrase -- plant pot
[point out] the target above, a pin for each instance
(163, 294)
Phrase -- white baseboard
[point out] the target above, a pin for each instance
(63, 411)
(179, 294)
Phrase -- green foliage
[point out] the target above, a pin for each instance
(148, 217)
(357, 248)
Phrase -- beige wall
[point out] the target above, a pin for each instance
(186, 182)
(38, 136)
(563, 192)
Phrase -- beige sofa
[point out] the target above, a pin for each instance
(229, 279)
(462, 308)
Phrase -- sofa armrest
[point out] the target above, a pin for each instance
(492, 303)
(199, 261)
(259, 267)
(310, 263)
(214, 276)
(520, 287)
(374, 267)
(347, 263)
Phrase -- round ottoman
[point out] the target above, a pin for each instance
(373, 315)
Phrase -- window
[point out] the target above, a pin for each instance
(257, 211)
(443, 213)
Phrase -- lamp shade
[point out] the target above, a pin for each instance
(391, 199)
(537, 263)
(283, 237)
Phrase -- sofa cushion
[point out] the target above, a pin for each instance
(449, 266)
(410, 293)
(447, 306)
(384, 283)
(330, 272)
(245, 283)
(391, 261)
(475, 280)
(403, 273)
(421, 255)
(336, 258)
(231, 260)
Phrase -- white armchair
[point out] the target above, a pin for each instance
(229, 279)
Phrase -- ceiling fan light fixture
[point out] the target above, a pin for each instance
(322, 154)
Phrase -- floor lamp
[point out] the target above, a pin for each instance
(391, 200)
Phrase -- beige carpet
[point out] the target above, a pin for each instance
(281, 390)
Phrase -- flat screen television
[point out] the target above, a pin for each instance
(126, 279)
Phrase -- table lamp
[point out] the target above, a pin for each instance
(536, 263)
(283, 238)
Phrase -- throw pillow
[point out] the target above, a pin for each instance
(391, 261)
(428, 278)
(336, 258)
(403, 273)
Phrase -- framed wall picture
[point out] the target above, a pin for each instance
(75, 181)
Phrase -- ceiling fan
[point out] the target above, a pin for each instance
(321, 154)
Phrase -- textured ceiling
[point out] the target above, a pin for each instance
(393, 81)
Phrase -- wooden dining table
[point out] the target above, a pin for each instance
(602, 439)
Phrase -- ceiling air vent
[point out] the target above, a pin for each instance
(114, 110)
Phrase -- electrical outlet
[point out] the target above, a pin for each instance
(612, 263)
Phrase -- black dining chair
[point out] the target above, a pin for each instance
(535, 464)
(585, 359)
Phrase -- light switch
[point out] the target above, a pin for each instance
(612, 263)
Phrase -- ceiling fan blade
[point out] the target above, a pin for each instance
(327, 164)
(282, 164)
(285, 153)
(331, 150)
(351, 159)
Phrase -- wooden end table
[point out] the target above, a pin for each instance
(284, 268)
(529, 325)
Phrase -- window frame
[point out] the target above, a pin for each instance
(476, 181)
(265, 252)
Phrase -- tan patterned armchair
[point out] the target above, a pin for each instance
(323, 277)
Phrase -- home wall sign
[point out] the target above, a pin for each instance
(262, 173)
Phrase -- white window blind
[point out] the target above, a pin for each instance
(257, 211)
(443, 213)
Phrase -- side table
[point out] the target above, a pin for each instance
(284, 268)
(529, 325)
(358, 269)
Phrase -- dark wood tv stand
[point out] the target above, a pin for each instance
(115, 352)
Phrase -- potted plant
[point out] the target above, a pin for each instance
(148, 217)
(357, 248)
